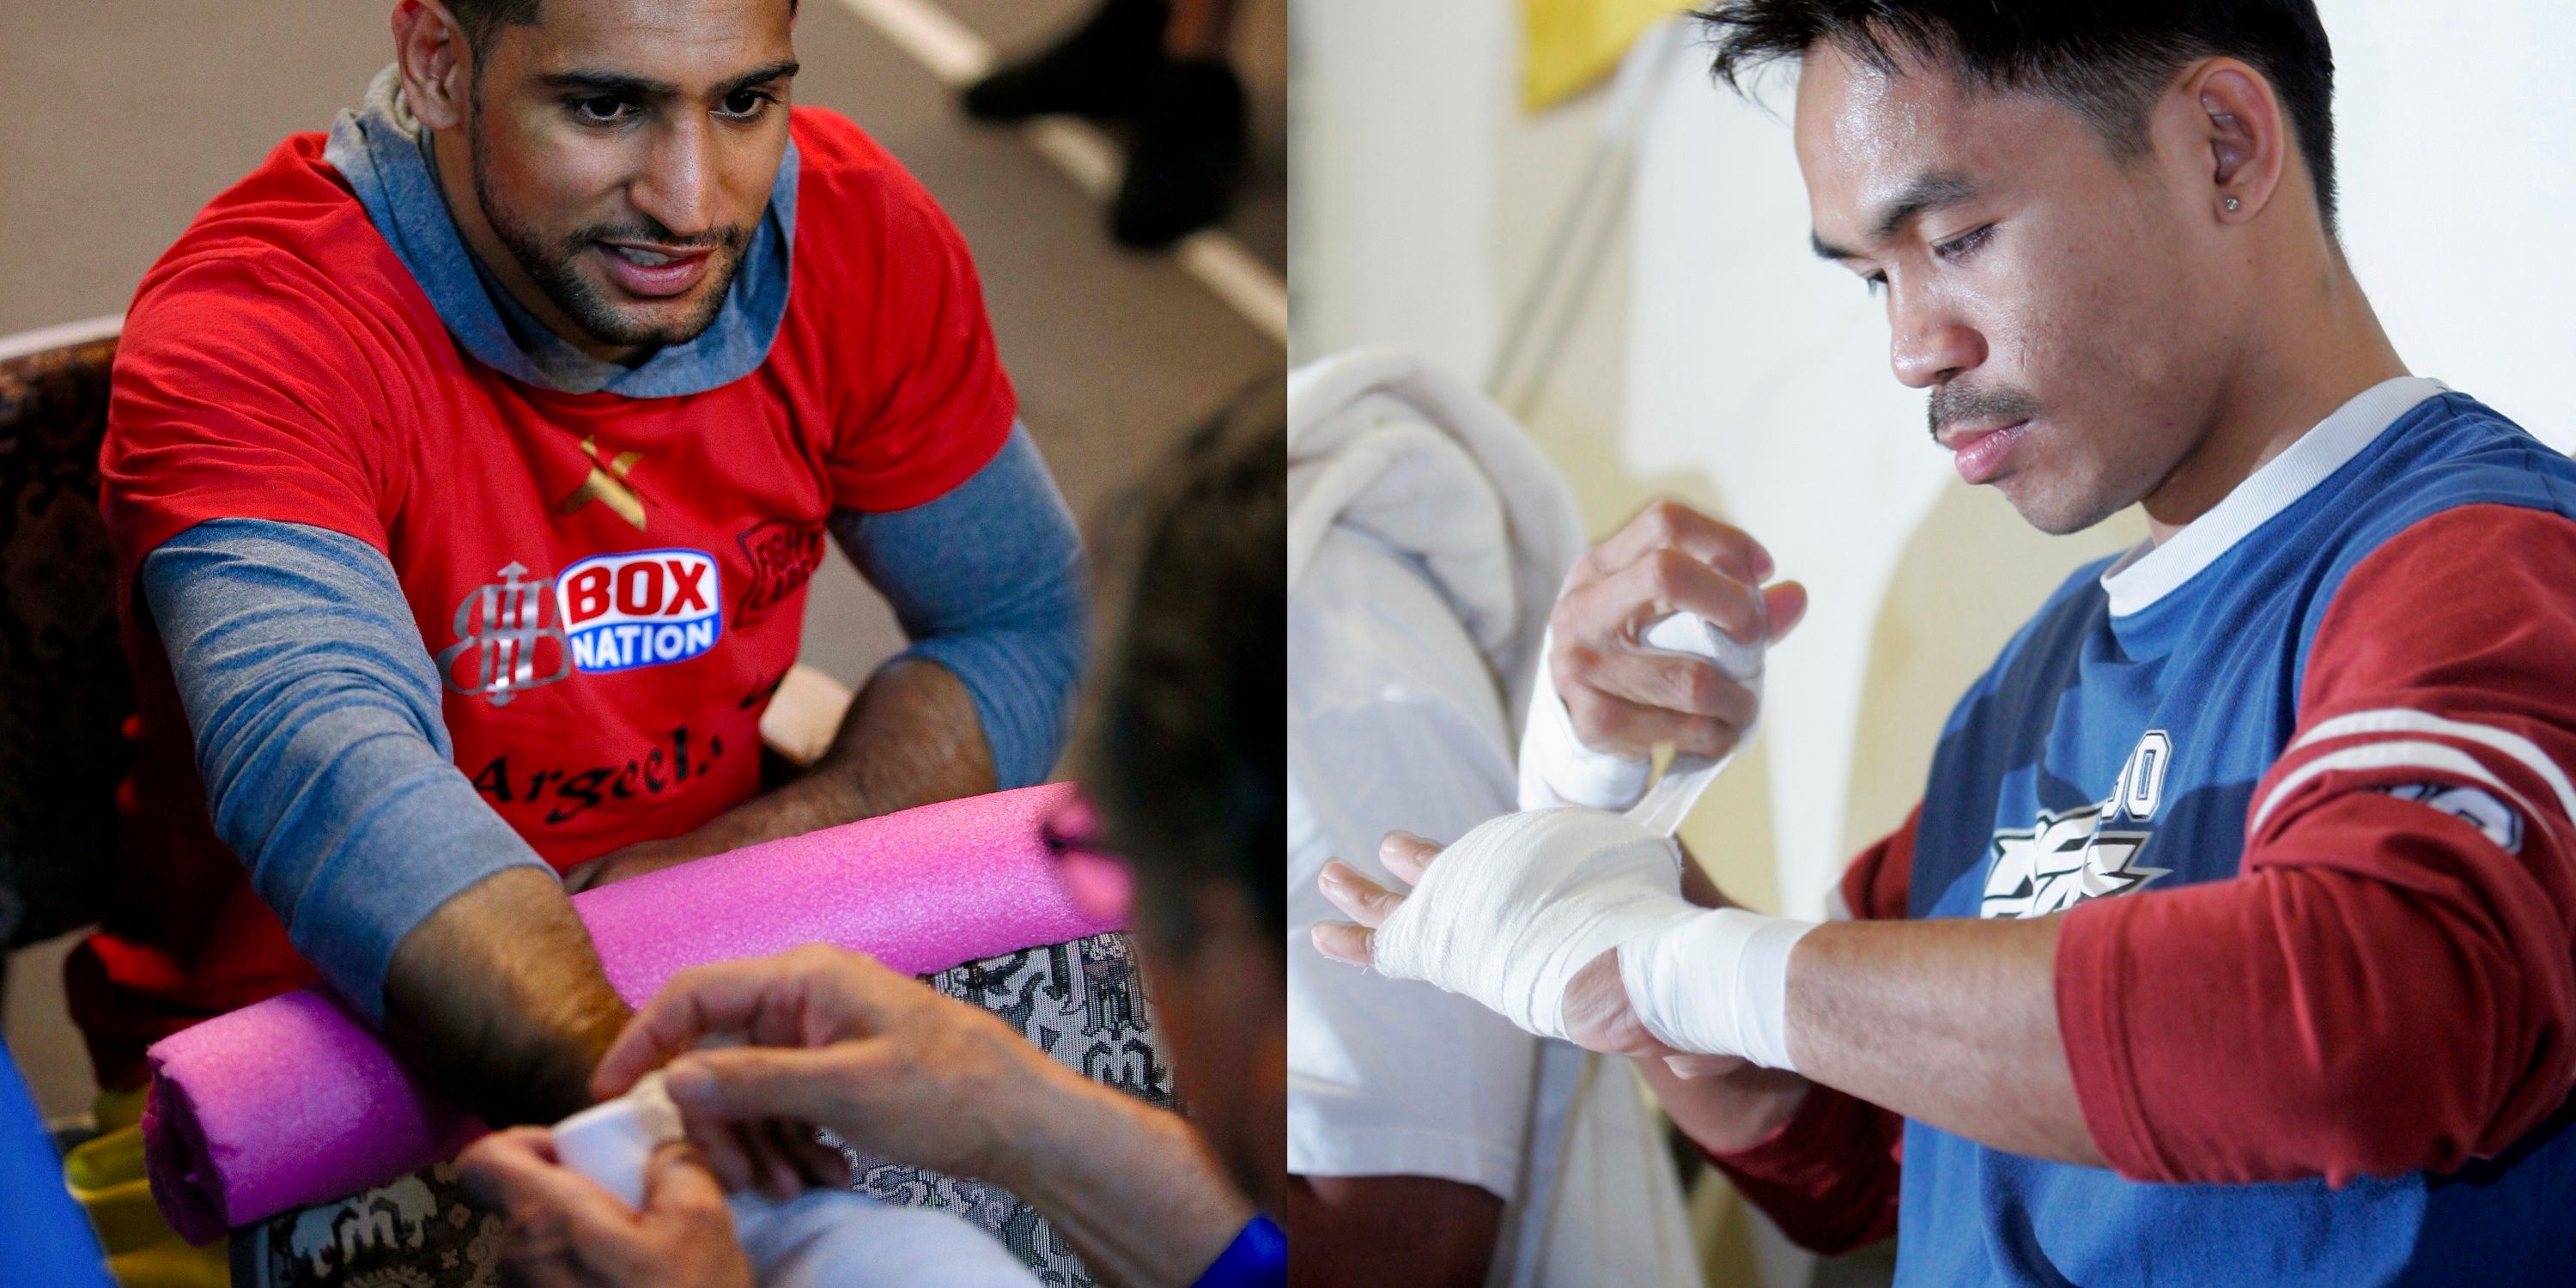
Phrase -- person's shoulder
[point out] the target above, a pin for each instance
(287, 241)
(853, 195)
(2458, 472)
(833, 145)
(2468, 452)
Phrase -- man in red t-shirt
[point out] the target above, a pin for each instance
(466, 468)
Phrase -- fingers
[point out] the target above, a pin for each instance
(553, 1211)
(1407, 856)
(677, 1182)
(782, 1173)
(1634, 729)
(505, 1165)
(790, 1161)
(684, 1210)
(1672, 525)
(1345, 943)
(822, 1166)
(1786, 606)
(584, 875)
(803, 997)
(756, 1084)
(1674, 683)
(1359, 898)
(1621, 605)
(697, 1003)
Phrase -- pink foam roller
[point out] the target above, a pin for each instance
(294, 1101)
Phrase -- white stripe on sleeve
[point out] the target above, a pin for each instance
(2387, 755)
(2402, 720)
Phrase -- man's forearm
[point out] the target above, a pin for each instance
(911, 737)
(1135, 1189)
(499, 996)
(1950, 1022)
(1726, 1112)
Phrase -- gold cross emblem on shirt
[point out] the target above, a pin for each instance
(605, 485)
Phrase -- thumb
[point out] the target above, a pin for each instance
(752, 1083)
(677, 1180)
(1786, 605)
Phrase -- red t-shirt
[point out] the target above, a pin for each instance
(605, 678)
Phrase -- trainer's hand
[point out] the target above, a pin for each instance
(1625, 698)
(1597, 1014)
(564, 1231)
(839, 1041)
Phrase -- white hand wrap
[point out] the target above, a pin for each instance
(1558, 769)
(613, 1142)
(1717, 984)
(1515, 908)
(1510, 912)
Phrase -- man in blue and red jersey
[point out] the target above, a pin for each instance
(2234, 939)
(466, 467)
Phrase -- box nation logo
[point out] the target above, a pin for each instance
(642, 608)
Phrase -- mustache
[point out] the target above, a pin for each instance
(1953, 403)
(731, 237)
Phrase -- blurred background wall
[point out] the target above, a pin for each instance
(120, 118)
(1688, 344)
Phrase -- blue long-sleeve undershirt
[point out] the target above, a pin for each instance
(987, 581)
(328, 768)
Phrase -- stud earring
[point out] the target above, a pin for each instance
(2231, 203)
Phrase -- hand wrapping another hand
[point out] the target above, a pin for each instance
(1625, 697)
(1571, 924)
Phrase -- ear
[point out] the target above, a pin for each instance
(435, 61)
(2247, 139)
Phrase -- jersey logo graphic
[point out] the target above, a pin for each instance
(639, 609)
(784, 555)
(2069, 856)
(606, 484)
(501, 636)
(2475, 806)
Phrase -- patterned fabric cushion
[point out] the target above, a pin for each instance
(1081, 1002)
(63, 690)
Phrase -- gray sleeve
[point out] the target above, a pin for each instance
(316, 713)
(987, 581)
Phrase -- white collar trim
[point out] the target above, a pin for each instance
(2151, 571)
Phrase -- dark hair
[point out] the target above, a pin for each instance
(2109, 61)
(480, 18)
(1184, 749)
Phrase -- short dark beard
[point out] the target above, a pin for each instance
(551, 266)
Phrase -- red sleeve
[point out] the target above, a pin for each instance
(240, 393)
(1828, 1177)
(2388, 987)
(923, 401)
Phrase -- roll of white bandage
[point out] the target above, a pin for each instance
(613, 1142)
(819, 1239)
(1558, 769)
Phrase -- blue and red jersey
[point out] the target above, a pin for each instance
(2298, 779)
